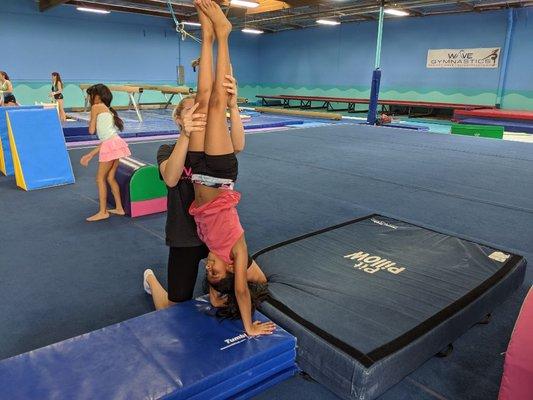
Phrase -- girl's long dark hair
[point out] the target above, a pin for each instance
(226, 287)
(58, 77)
(5, 75)
(106, 97)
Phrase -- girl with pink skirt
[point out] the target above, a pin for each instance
(106, 123)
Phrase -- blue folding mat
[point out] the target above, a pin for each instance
(509, 125)
(6, 160)
(183, 352)
(372, 299)
(40, 155)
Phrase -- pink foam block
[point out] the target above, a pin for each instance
(517, 381)
(147, 207)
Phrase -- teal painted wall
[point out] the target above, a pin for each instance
(338, 61)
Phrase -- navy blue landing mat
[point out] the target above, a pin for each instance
(159, 122)
(372, 299)
(179, 353)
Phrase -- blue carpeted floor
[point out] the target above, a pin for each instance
(61, 277)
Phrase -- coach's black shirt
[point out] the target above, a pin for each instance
(180, 226)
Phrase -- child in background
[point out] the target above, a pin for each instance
(7, 98)
(57, 94)
(106, 123)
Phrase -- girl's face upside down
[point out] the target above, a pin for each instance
(216, 268)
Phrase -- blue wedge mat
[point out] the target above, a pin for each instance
(372, 299)
(41, 148)
(179, 353)
(4, 139)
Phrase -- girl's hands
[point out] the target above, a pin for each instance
(86, 159)
(231, 88)
(193, 122)
(261, 328)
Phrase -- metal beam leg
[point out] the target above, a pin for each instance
(169, 99)
(136, 107)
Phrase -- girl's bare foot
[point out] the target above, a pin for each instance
(208, 32)
(117, 211)
(221, 24)
(98, 217)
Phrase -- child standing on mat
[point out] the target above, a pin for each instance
(215, 169)
(106, 123)
(57, 94)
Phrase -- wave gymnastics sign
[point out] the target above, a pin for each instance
(464, 58)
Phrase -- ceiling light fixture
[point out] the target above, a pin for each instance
(327, 22)
(253, 31)
(93, 10)
(396, 13)
(244, 3)
(190, 23)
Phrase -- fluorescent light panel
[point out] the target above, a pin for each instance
(395, 12)
(93, 10)
(253, 31)
(327, 22)
(244, 3)
(191, 23)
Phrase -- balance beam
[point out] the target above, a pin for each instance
(310, 114)
(130, 90)
(168, 91)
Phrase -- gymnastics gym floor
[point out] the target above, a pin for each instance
(63, 277)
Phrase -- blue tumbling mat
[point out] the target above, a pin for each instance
(509, 125)
(183, 352)
(156, 124)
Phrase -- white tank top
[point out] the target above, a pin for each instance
(105, 126)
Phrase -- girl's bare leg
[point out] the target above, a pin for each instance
(217, 138)
(115, 189)
(103, 170)
(62, 115)
(159, 294)
(205, 76)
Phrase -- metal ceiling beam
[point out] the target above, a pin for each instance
(163, 4)
(372, 8)
(48, 4)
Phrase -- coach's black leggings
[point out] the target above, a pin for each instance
(182, 271)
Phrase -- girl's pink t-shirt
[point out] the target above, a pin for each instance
(218, 223)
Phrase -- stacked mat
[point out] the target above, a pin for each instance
(141, 189)
(372, 299)
(511, 120)
(179, 353)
